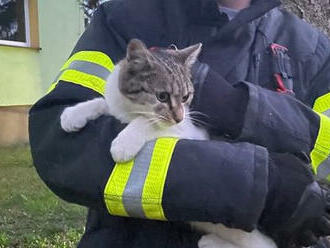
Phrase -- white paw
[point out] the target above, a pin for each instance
(213, 241)
(71, 120)
(124, 148)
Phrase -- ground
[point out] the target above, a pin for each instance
(31, 216)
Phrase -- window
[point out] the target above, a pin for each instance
(15, 20)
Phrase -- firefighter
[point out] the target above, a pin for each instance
(263, 78)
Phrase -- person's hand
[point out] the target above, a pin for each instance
(311, 218)
(297, 208)
(322, 243)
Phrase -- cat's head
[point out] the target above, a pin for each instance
(158, 80)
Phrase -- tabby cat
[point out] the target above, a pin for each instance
(151, 91)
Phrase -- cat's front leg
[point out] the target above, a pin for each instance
(213, 241)
(74, 118)
(131, 140)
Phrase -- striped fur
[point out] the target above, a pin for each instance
(145, 73)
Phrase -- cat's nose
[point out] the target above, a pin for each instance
(178, 115)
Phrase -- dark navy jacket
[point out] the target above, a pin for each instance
(214, 181)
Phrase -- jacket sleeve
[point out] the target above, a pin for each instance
(280, 122)
(283, 123)
(319, 98)
(170, 179)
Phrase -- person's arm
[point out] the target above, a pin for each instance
(78, 166)
(280, 122)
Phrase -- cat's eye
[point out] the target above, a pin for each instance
(163, 96)
(185, 98)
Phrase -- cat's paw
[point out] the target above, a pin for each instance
(71, 120)
(124, 148)
(213, 241)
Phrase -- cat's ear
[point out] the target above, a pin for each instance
(136, 50)
(190, 54)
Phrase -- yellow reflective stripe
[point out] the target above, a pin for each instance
(321, 149)
(52, 86)
(113, 192)
(86, 80)
(91, 56)
(154, 185)
(322, 103)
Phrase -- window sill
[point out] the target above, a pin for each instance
(21, 46)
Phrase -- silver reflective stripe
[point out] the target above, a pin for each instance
(90, 68)
(87, 67)
(327, 113)
(323, 171)
(132, 196)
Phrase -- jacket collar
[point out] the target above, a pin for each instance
(206, 12)
(203, 12)
(203, 21)
(257, 9)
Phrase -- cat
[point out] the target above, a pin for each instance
(151, 90)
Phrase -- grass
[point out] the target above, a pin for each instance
(31, 215)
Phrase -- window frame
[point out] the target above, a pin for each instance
(27, 43)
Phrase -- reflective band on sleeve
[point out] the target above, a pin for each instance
(323, 171)
(86, 80)
(137, 190)
(86, 68)
(155, 181)
(89, 68)
(322, 104)
(321, 149)
(320, 153)
(95, 57)
(113, 193)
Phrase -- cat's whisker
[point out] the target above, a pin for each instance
(156, 119)
(197, 121)
(162, 117)
(142, 113)
(193, 116)
(193, 112)
(153, 120)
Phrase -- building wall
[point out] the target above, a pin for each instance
(14, 125)
(60, 25)
(26, 73)
(20, 76)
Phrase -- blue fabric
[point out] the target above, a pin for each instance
(231, 13)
